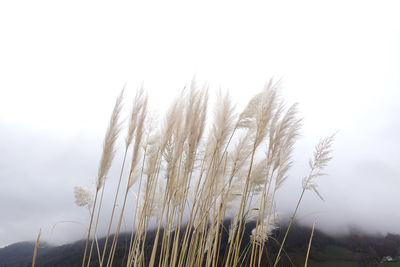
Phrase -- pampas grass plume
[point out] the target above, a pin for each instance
(83, 196)
(113, 130)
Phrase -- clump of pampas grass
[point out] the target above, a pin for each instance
(189, 174)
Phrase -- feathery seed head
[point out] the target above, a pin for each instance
(138, 103)
(113, 130)
(83, 196)
(322, 155)
(259, 177)
(263, 231)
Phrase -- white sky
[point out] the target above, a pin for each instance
(62, 64)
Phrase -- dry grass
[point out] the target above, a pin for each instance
(189, 174)
(36, 248)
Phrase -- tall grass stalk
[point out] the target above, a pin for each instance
(138, 117)
(321, 158)
(36, 248)
(106, 161)
(309, 243)
(95, 228)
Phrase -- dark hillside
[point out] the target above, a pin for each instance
(352, 250)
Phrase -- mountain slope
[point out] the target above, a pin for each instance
(351, 250)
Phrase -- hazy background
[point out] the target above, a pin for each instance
(63, 63)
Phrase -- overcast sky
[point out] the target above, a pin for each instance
(62, 64)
